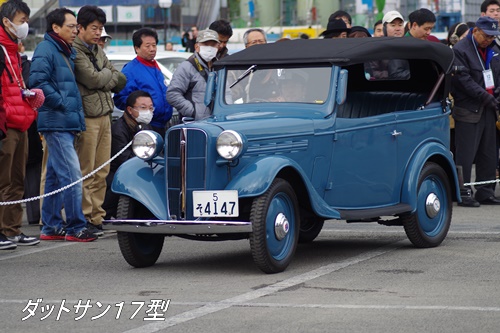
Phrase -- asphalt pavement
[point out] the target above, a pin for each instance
(353, 278)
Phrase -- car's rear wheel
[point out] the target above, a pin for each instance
(275, 222)
(429, 225)
(139, 250)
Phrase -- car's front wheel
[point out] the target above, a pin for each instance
(429, 225)
(275, 222)
(139, 250)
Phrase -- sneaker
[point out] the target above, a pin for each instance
(95, 229)
(58, 235)
(83, 236)
(6, 244)
(22, 239)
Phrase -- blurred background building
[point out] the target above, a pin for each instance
(172, 18)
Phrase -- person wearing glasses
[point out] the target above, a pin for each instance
(105, 38)
(60, 121)
(491, 8)
(475, 94)
(97, 79)
(137, 116)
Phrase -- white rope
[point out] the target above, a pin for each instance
(483, 182)
(67, 186)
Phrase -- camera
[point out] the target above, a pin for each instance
(26, 93)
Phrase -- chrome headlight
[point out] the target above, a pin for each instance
(230, 145)
(147, 145)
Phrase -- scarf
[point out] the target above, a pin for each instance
(61, 42)
(148, 63)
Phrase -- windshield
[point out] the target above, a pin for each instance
(276, 85)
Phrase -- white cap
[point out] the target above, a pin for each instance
(105, 34)
(391, 16)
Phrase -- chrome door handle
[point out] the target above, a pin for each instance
(396, 133)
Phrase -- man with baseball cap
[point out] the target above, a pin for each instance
(475, 93)
(105, 37)
(187, 89)
(393, 24)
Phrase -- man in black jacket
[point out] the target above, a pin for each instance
(476, 108)
(136, 117)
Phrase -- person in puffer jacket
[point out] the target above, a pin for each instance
(186, 92)
(19, 117)
(60, 121)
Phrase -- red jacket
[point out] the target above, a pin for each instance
(19, 114)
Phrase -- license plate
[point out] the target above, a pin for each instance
(215, 203)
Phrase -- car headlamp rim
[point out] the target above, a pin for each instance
(230, 144)
(146, 145)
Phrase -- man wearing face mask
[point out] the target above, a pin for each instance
(137, 116)
(14, 16)
(187, 89)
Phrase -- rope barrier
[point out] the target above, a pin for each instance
(483, 182)
(6, 203)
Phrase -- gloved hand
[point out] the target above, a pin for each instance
(490, 102)
(497, 92)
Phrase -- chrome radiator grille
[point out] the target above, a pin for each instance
(186, 165)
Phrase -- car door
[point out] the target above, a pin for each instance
(364, 163)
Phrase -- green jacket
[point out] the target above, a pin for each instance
(96, 80)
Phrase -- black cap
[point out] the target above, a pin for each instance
(335, 25)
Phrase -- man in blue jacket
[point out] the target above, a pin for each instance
(60, 119)
(143, 73)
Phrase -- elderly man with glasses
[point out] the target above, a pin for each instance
(475, 93)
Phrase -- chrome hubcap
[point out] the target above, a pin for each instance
(432, 205)
(281, 226)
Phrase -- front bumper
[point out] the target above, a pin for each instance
(172, 227)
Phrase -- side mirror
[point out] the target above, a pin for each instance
(341, 93)
(210, 90)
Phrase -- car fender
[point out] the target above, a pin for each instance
(255, 179)
(429, 152)
(138, 180)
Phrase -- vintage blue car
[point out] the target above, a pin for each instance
(301, 132)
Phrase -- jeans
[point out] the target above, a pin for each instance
(63, 168)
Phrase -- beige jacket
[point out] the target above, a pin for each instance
(96, 78)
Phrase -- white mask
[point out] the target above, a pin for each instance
(207, 53)
(21, 30)
(144, 117)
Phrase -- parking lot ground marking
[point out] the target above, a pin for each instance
(268, 290)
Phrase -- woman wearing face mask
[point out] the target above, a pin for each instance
(187, 88)
(16, 116)
(137, 116)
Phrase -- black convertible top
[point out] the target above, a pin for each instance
(342, 52)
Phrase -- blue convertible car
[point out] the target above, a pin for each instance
(301, 132)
